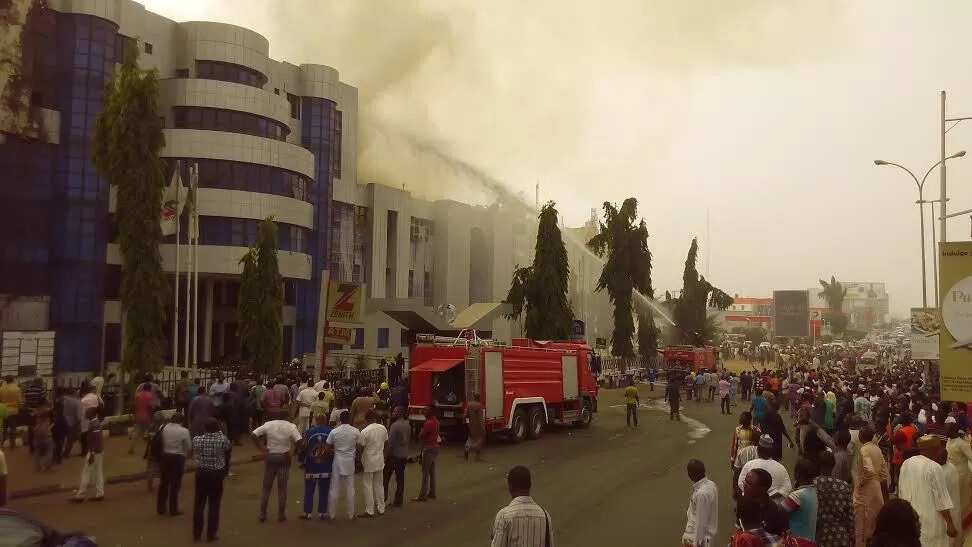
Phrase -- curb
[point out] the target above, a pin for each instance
(116, 479)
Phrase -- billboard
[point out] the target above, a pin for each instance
(792, 313)
(344, 302)
(955, 339)
(925, 326)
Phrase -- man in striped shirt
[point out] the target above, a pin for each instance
(522, 523)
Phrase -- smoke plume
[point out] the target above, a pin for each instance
(533, 90)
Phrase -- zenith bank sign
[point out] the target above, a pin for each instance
(344, 302)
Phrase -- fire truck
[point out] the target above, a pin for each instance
(523, 386)
(690, 357)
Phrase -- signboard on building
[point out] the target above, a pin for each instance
(925, 326)
(338, 335)
(792, 313)
(27, 354)
(955, 339)
(344, 302)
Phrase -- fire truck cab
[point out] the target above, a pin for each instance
(523, 387)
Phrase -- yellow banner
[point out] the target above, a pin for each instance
(955, 340)
(344, 302)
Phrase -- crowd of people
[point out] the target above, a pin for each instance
(880, 459)
(331, 431)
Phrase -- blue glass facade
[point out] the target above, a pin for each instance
(56, 229)
(319, 129)
(84, 51)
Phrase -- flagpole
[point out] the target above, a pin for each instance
(175, 293)
(188, 271)
(195, 262)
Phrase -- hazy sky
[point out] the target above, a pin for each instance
(766, 113)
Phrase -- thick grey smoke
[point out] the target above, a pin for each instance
(455, 95)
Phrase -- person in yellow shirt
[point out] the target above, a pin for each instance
(13, 399)
(631, 401)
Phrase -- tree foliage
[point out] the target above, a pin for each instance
(540, 290)
(627, 267)
(689, 309)
(126, 144)
(647, 336)
(261, 300)
(834, 293)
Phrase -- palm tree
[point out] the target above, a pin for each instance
(627, 268)
(834, 294)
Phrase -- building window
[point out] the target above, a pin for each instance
(411, 283)
(427, 288)
(182, 73)
(148, 48)
(217, 119)
(294, 101)
(358, 339)
(113, 343)
(250, 177)
(383, 338)
(229, 72)
(336, 145)
(290, 293)
(403, 338)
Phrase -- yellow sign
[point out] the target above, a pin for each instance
(955, 339)
(338, 335)
(344, 302)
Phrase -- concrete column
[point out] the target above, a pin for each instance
(209, 288)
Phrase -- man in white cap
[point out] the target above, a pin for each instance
(922, 484)
(764, 451)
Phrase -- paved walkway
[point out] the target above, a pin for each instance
(119, 466)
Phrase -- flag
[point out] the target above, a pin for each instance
(173, 199)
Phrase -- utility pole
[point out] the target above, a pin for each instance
(708, 243)
(944, 195)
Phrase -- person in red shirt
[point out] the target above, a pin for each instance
(145, 403)
(430, 451)
(904, 445)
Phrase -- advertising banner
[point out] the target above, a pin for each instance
(925, 326)
(338, 335)
(792, 313)
(344, 302)
(955, 339)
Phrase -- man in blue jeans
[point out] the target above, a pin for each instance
(318, 459)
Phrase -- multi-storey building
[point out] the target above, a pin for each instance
(269, 137)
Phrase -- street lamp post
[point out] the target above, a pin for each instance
(921, 213)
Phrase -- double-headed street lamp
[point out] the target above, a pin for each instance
(921, 213)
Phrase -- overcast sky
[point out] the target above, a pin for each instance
(767, 114)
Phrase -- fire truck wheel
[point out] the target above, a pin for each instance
(518, 429)
(586, 416)
(537, 422)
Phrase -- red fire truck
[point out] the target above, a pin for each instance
(691, 357)
(523, 387)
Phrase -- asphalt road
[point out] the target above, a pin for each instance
(606, 485)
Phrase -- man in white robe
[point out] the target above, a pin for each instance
(922, 484)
